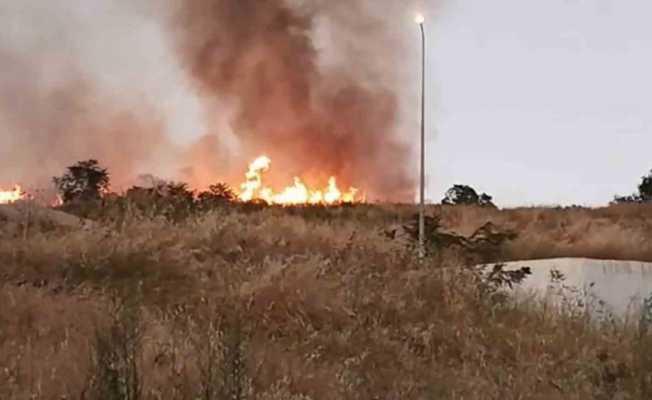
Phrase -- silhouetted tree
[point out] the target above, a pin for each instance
(466, 195)
(84, 181)
(645, 188)
(216, 195)
(644, 194)
(178, 191)
(174, 200)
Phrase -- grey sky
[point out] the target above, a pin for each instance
(541, 102)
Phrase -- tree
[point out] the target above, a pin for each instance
(84, 181)
(644, 194)
(466, 195)
(173, 200)
(645, 188)
(216, 195)
(177, 191)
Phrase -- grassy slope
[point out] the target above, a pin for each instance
(620, 232)
(314, 303)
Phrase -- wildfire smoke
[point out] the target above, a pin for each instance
(314, 84)
(265, 58)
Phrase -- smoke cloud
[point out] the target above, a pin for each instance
(70, 91)
(316, 85)
(336, 117)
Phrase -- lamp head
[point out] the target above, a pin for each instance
(420, 19)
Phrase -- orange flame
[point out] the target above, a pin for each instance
(57, 202)
(297, 194)
(11, 196)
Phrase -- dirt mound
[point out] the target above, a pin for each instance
(14, 216)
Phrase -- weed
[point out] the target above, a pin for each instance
(116, 373)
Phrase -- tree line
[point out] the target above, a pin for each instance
(88, 181)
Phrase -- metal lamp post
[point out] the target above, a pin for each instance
(420, 19)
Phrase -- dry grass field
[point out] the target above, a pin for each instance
(617, 232)
(314, 303)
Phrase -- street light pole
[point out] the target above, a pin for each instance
(422, 206)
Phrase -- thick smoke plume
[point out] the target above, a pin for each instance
(308, 116)
(316, 85)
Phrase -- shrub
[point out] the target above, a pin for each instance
(466, 195)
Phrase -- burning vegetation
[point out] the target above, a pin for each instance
(297, 194)
(87, 181)
(11, 196)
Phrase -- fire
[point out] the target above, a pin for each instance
(297, 194)
(57, 202)
(11, 196)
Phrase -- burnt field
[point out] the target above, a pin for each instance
(247, 301)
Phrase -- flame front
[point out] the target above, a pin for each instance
(254, 183)
(11, 196)
(297, 194)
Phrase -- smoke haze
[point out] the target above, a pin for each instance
(193, 90)
(69, 91)
(262, 56)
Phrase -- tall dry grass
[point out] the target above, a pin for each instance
(305, 304)
(618, 232)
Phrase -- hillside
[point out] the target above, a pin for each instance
(309, 303)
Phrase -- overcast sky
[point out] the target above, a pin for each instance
(541, 101)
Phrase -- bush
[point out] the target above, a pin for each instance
(116, 370)
(466, 195)
(217, 195)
